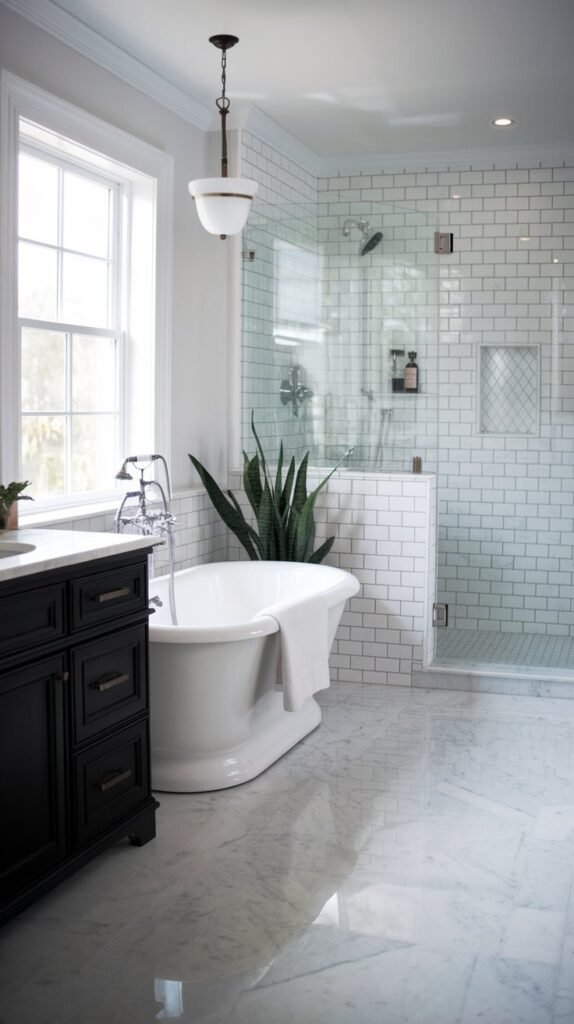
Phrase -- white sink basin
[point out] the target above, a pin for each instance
(10, 548)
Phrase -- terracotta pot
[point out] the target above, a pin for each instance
(12, 521)
(9, 521)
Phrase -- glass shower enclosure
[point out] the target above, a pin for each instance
(330, 313)
(333, 303)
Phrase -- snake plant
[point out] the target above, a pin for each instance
(284, 527)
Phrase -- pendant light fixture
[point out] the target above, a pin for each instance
(223, 203)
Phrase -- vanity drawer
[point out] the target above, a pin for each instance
(102, 596)
(32, 618)
(109, 681)
(111, 780)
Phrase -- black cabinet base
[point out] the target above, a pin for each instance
(74, 721)
(139, 827)
(145, 830)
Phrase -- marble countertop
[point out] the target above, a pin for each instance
(53, 549)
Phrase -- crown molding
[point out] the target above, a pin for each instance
(478, 158)
(70, 30)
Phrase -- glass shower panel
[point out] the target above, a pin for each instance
(319, 321)
(376, 303)
(281, 328)
(506, 488)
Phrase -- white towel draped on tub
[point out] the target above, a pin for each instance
(304, 638)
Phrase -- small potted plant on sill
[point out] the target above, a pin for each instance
(284, 528)
(9, 495)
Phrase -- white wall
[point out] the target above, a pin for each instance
(199, 423)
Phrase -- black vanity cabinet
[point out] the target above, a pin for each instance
(74, 731)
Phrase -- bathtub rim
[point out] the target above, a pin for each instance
(344, 586)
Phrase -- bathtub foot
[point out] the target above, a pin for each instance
(178, 771)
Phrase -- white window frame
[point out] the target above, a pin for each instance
(20, 99)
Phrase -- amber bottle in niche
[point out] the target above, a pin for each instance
(411, 374)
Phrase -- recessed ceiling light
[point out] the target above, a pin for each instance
(502, 122)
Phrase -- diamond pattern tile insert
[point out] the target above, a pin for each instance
(509, 389)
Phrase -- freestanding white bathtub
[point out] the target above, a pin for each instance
(217, 716)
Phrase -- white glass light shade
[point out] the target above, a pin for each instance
(223, 203)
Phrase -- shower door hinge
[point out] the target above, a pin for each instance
(249, 255)
(443, 242)
(439, 614)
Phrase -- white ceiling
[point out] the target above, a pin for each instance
(350, 77)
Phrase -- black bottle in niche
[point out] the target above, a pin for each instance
(397, 375)
(412, 374)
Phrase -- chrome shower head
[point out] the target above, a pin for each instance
(371, 242)
(370, 239)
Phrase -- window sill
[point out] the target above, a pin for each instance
(53, 517)
(50, 517)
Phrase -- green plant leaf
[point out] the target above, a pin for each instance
(300, 492)
(322, 551)
(265, 523)
(233, 519)
(252, 533)
(278, 475)
(286, 493)
(11, 492)
(252, 481)
(305, 530)
(291, 531)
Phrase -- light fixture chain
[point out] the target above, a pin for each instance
(223, 102)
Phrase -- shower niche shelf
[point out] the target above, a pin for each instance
(508, 379)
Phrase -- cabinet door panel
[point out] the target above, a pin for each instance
(31, 773)
(32, 618)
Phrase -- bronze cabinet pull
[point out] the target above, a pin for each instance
(113, 780)
(108, 682)
(113, 595)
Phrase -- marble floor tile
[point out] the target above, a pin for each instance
(410, 862)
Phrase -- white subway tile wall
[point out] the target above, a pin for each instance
(506, 526)
(383, 525)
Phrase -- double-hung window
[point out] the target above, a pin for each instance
(70, 324)
(85, 299)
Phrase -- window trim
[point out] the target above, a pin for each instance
(21, 99)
